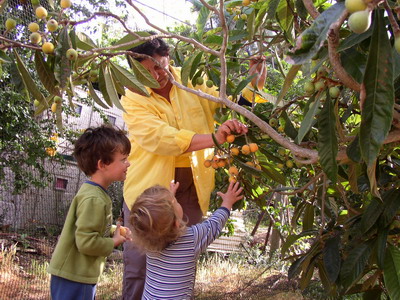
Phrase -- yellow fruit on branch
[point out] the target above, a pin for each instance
(41, 12)
(48, 48)
(250, 164)
(233, 170)
(253, 147)
(355, 5)
(246, 149)
(221, 163)
(65, 3)
(245, 2)
(232, 179)
(360, 21)
(33, 27)
(35, 37)
(10, 24)
(72, 54)
(52, 25)
(230, 138)
(289, 164)
(54, 107)
(207, 163)
(234, 151)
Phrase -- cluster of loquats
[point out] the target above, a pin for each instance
(47, 39)
(227, 157)
(238, 11)
(320, 82)
(360, 17)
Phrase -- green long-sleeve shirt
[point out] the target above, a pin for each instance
(85, 240)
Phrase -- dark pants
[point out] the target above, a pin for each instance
(134, 260)
(64, 289)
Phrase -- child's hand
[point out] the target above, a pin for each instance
(173, 187)
(232, 195)
(118, 238)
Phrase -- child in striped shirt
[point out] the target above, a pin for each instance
(172, 248)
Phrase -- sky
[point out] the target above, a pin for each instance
(163, 13)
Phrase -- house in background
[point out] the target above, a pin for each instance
(47, 207)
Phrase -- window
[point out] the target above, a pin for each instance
(61, 184)
(78, 109)
(111, 119)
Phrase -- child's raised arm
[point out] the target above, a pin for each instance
(232, 195)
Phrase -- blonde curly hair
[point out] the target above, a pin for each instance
(153, 219)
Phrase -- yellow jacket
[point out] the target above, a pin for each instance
(160, 132)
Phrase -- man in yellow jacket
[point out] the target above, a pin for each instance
(171, 136)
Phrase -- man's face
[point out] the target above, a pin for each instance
(156, 71)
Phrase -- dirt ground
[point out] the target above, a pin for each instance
(24, 277)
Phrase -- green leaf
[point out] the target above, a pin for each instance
(130, 39)
(284, 16)
(128, 80)
(290, 130)
(186, 69)
(373, 184)
(353, 150)
(95, 97)
(195, 64)
(250, 25)
(311, 40)
(142, 75)
(46, 75)
(331, 257)
(308, 121)
(327, 140)
(202, 19)
(28, 81)
(308, 217)
(371, 215)
(84, 42)
(242, 85)
(290, 76)
(103, 86)
(272, 173)
(391, 202)
(4, 57)
(354, 264)
(391, 272)
(110, 87)
(381, 241)
(377, 113)
(64, 64)
(292, 238)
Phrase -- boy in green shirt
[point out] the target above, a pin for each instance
(79, 257)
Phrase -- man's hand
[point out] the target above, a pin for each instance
(258, 67)
(230, 127)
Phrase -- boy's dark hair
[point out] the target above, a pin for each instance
(99, 143)
(154, 46)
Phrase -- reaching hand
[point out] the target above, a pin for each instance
(230, 127)
(258, 67)
(232, 195)
(173, 187)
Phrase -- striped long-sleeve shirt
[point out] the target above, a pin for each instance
(170, 274)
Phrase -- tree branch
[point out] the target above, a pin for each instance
(334, 56)
(309, 5)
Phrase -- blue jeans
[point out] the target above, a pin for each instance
(64, 289)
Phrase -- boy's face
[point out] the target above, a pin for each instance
(117, 169)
